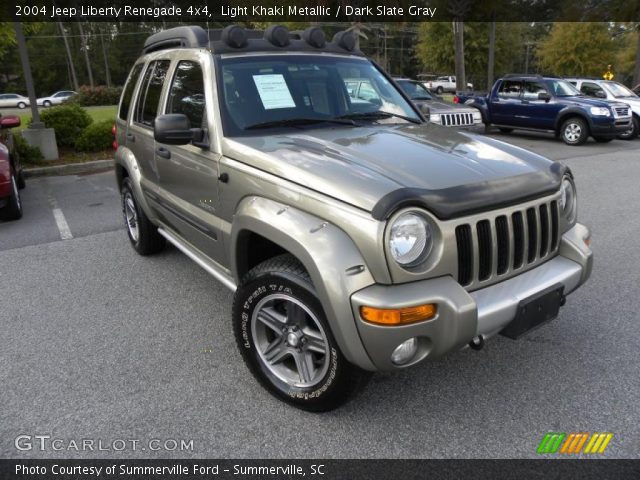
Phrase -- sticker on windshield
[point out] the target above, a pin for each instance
(273, 91)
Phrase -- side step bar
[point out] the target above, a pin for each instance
(197, 257)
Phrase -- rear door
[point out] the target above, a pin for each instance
(536, 113)
(189, 173)
(506, 102)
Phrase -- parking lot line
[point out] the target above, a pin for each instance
(61, 221)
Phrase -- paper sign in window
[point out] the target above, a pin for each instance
(273, 91)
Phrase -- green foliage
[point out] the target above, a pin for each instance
(96, 137)
(68, 120)
(577, 49)
(435, 48)
(100, 95)
(26, 152)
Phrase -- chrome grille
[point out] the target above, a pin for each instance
(621, 110)
(506, 244)
(456, 119)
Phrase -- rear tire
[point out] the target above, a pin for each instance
(143, 234)
(439, 90)
(285, 340)
(602, 139)
(47, 103)
(21, 180)
(13, 210)
(505, 130)
(633, 133)
(574, 131)
(22, 105)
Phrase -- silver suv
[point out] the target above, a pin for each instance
(356, 236)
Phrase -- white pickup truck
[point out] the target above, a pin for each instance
(444, 84)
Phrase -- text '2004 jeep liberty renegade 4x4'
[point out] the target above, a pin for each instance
(356, 236)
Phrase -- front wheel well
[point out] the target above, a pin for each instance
(569, 115)
(252, 249)
(121, 174)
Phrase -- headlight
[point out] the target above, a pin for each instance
(410, 239)
(601, 111)
(477, 116)
(568, 200)
(434, 118)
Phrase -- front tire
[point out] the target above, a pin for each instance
(505, 130)
(13, 210)
(22, 183)
(633, 133)
(47, 103)
(143, 234)
(574, 131)
(285, 340)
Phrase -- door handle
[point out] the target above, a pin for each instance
(163, 152)
(131, 137)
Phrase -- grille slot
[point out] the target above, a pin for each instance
(544, 230)
(465, 254)
(484, 249)
(506, 244)
(502, 234)
(532, 228)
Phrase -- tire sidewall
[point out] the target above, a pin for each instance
(247, 297)
(635, 127)
(127, 188)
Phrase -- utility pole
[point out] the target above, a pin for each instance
(107, 73)
(458, 33)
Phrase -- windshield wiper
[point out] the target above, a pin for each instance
(378, 114)
(298, 122)
(421, 98)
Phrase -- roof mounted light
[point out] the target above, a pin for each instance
(346, 40)
(315, 37)
(277, 35)
(234, 36)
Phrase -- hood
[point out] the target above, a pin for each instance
(591, 102)
(363, 165)
(441, 106)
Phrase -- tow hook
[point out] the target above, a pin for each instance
(477, 343)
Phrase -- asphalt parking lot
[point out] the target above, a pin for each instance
(99, 343)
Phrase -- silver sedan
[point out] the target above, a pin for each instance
(13, 100)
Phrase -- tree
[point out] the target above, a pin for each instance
(577, 49)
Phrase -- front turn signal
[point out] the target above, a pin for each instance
(398, 316)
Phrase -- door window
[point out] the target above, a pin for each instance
(150, 90)
(510, 89)
(187, 93)
(591, 89)
(128, 91)
(532, 89)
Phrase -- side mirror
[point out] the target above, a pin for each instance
(600, 94)
(172, 129)
(10, 121)
(544, 96)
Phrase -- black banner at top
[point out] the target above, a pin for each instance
(319, 10)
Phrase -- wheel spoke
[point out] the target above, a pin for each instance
(275, 352)
(315, 342)
(272, 319)
(305, 366)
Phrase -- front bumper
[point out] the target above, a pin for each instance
(464, 315)
(610, 127)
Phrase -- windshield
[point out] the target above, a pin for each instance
(618, 90)
(274, 91)
(562, 88)
(415, 90)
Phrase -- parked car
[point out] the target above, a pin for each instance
(437, 110)
(443, 84)
(610, 90)
(11, 173)
(56, 99)
(13, 100)
(533, 102)
(355, 237)
(636, 89)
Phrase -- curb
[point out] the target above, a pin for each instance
(70, 169)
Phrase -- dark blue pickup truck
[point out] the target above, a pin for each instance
(549, 104)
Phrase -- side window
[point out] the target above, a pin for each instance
(187, 93)
(150, 90)
(510, 89)
(591, 89)
(532, 89)
(128, 91)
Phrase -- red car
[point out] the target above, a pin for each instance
(11, 174)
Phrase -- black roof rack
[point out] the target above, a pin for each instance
(235, 39)
(527, 75)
